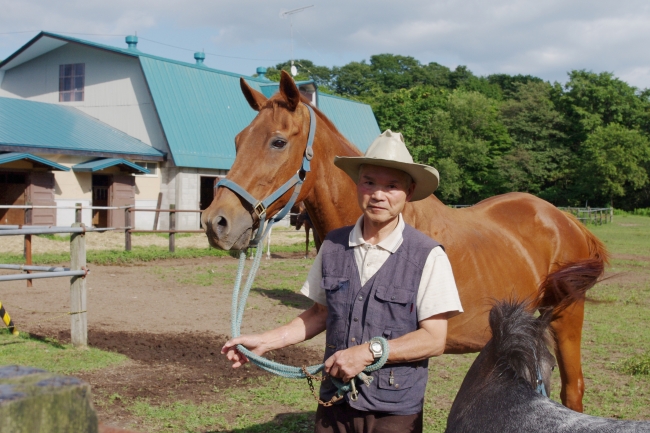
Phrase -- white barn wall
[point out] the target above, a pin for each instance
(115, 90)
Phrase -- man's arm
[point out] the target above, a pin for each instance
(307, 325)
(427, 341)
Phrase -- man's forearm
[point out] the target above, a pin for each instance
(429, 340)
(304, 327)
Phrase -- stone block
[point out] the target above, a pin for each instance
(35, 401)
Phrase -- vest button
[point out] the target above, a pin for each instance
(397, 385)
(353, 339)
(392, 298)
(361, 298)
(356, 319)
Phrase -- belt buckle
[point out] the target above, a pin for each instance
(260, 209)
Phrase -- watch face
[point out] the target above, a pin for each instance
(376, 347)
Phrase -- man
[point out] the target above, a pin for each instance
(378, 278)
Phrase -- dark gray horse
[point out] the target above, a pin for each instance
(501, 391)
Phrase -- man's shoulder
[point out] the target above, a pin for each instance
(340, 236)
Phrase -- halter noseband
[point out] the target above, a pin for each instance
(260, 206)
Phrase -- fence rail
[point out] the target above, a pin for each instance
(77, 271)
(591, 215)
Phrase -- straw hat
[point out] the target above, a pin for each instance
(389, 150)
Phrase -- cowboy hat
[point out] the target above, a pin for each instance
(389, 150)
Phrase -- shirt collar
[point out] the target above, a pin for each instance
(391, 243)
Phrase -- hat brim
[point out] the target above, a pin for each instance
(426, 178)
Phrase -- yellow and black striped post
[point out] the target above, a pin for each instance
(7, 320)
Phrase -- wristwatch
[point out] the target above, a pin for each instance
(376, 349)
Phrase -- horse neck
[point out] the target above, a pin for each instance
(331, 201)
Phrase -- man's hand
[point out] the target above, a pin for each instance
(346, 364)
(251, 342)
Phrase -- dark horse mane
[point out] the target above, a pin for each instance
(519, 338)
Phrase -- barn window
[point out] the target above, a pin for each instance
(151, 166)
(71, 82)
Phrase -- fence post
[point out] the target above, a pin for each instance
(78, 315)
(127, 229)
(172, 227)
(77, 212)
(27, 250)
(155, 218)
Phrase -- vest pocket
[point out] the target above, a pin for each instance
(334, 283)
(396, 378)
(394, 295)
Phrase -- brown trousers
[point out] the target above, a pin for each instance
(341, 418)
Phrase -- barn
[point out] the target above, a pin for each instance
(83, 122)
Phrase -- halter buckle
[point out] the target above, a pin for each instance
(259, 209)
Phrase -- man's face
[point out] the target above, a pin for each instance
(382, 192)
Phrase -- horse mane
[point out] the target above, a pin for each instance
(518, 338)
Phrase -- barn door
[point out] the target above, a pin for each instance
(40, 192)
(121, 193)
(12, 192)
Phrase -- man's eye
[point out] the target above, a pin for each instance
(278, 144)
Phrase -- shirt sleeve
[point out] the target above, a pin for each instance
(312, 288)
(437, 292)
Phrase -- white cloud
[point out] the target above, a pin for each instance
(544, 37)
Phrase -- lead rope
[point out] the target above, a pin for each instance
(238, 307)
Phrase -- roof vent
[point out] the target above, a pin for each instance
(132, 42)
(261, 73)
(199, 57)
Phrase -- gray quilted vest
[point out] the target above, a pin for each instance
(383, 307)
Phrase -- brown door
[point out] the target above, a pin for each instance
(100, 184)
(120, 193)
(12, 192)
(40, 192)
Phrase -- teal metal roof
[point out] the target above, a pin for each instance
(6, 158)
(104, 163)
(53, 127)
(202, 109)
(200, 112)
(354, 120)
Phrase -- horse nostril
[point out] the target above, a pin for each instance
(221, 221)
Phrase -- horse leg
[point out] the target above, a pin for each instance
(568, 336)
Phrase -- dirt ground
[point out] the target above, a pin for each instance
(170, 318)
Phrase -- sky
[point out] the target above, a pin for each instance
(545, 38)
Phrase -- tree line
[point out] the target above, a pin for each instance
(584, 142)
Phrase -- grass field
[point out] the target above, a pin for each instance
(616, 350)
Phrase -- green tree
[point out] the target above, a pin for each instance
(538, 160)
(614, 159)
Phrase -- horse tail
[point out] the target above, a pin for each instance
(571, 281)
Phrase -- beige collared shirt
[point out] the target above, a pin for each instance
(437, 292)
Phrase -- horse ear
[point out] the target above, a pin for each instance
(289, 90)
(255, 99)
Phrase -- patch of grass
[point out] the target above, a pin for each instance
(51, 355)
(636, 365)
(627, 234)
(163, 235)
(55, 237)
(138, 254)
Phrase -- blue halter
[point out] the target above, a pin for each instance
(541, 389)
(260, 206)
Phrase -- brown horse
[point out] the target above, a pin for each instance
(501, 248)
(300, 218)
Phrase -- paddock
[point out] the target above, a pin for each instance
(170, 317)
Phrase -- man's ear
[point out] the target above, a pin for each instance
(410, 192)
(255, 99)
(289, 90)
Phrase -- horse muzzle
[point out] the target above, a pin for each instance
(227, 232)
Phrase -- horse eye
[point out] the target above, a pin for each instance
(553, 368)
(278, 144)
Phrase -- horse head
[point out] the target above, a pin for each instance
(520, 344)
(269, 152)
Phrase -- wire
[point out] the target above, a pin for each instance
(212, 54)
